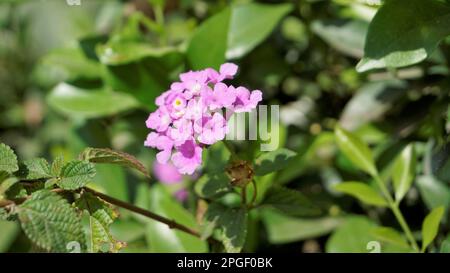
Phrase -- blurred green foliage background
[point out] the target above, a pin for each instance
(86, 76)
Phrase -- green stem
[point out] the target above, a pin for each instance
(397, 213)
(244, 196)
(255, 193)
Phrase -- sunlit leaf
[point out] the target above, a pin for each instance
(430, 226)
(77, 102)
(355, 150)
(404, 171)
(363, 192)
(404, 32)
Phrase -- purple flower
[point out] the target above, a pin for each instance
(211, 129)
(188, 157)
(167, 173)
(245, 101)
(159, 120)
(162, 143)
(181, 131)
(190, 115)
(228, 70)
(221, 97)
(181, 195)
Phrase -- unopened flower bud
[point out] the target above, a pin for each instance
(240, 173)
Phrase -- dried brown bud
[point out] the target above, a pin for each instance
(240, 173)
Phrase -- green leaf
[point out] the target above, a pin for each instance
(366, 106)
(8, 159)
(10, 230)
(104, 155)
(273, 161)
(50, 222)
(355, 150)
(363, 192)
(57, 165)
(390, 235)
(160, 237)
(127, 230)
(129, 52)
(232, 33)
(231, 223)
(216, 158)
(283, 229)
(351, 237)
(404, 171)
(346, 36)
(430, 226)
(66, 65)
(34, 169)
(433, 192)
(250, 24)
(139, 70)
(290, 202)
(215, 185)
(6, 184)
(404, 32)
(445, 246)
(209, 42)
(77, 102)
(76, 174)
(107, 173)
(101, 216)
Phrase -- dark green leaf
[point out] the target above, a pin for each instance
(50, 222)
(209, 42)
(232, 33)
(101, 216)
(290, 202)
(231, 223)
(209, 186)
(273, 161)
(76, 174)
(34, 169)
(284, 229)
(404, 32)
(104, 155)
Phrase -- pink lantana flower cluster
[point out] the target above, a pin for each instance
(194, 114)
